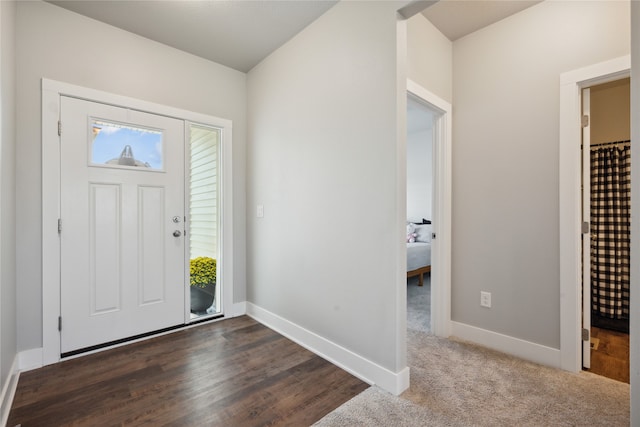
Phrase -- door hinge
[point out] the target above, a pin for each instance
(585, 227)
(433, 236)
(585, 335)
(59, 225)
(60, 323)
(59, 128)
(585, 121)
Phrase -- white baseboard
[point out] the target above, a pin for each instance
(351, 362)
(514, 346)
(30, 359)
(9, 391)
(239, 309)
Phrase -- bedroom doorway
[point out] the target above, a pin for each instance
(420, 118)
(428, 208)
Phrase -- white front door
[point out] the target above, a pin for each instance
(122, 232)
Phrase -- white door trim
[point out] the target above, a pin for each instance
(441, 245)
(571, 84)
(586, 217)
(51, 92)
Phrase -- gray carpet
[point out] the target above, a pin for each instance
(419, 304)
(459, 384)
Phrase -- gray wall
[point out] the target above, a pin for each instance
(8, 340)
(429, 64)
(323, 160)
(60, 45)
(429, 57)
(505, 160)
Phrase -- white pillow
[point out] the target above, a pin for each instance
(424, 233)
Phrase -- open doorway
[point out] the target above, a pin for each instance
(420, 136)
(574, 329)
(607, 209)
(429, 121)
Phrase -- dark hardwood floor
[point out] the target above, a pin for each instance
(230, 373)
(611, 358)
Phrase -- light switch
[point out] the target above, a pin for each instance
(260, 211)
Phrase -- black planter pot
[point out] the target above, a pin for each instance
(202, 298)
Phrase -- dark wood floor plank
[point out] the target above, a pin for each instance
(276, 399)
(233, 373)
(211, 384)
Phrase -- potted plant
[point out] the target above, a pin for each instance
(203, 272)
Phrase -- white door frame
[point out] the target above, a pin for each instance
(441, 245)
(571, 84)
(586, 217)
(51, 92)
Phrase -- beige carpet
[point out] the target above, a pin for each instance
(459, 384)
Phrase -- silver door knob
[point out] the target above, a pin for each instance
(177, 233)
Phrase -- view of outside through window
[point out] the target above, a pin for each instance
(118, 145)
(204, 222)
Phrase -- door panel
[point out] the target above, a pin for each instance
(151, 228)
(122, 268)
(104, 243)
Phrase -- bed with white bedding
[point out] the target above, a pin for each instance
(418, 251)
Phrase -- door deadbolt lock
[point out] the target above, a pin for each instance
(176, 219)
(177, 233)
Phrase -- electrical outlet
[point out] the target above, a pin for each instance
(485, 299)
(260, 211)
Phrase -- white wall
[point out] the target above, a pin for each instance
(635, 215)
(60, 45)
(323, 160)
(505, 160)
(609, 110)
(419, 175)
(429, 57)
(8, 341)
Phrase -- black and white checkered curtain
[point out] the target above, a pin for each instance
(610, 222)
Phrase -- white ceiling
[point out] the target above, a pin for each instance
(457, 18)
(235, 33)
(240, 33)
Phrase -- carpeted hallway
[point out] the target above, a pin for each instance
(459, 384)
